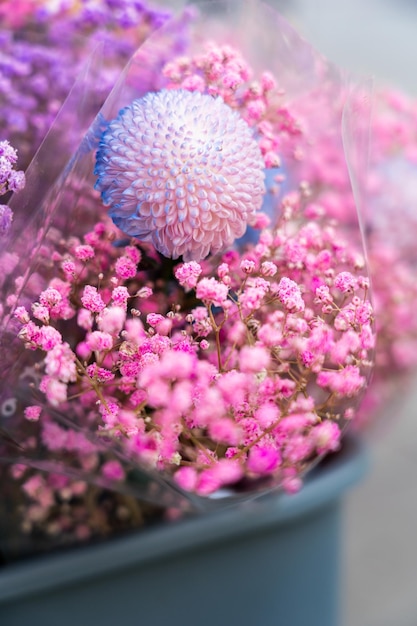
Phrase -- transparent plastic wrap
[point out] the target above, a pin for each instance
(215, 347)
(44, 46)
(390, 223)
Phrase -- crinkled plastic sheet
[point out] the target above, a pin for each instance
(62, 170)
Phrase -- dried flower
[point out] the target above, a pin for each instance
(237, 365)
(181, 170)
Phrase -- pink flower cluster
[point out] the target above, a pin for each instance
(222, 71)
(389, 198)
(247, 367)
(236, 370)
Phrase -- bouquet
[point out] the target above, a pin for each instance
(186, 305)
(391, 253)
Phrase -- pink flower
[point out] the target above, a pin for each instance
(134, 254)
(109, 412)
(266, 414)
(348, 344)
(291, 482)
(40, 312)
(53, 436)
(290, 295)
(254, 359)
(21, 314)
(207, 203)
(120, 296)
(327, 437)
(186, 477)
(345, 382)
(296, 422)
(247, 266)
(144, 292)
(85, 319)
(92, 300)
(49, 337)
(181, 397)
(268, 81)
(69, 269)
(111, 320)
(99, 341)
(233, 386)
(187, 274)
(55, 390)
(177, 364)
(229, 471)
(208, 482)
(223, 271)
(17, 470)
(100, 373)
(153, 319)
(323, 295)
(32, 413)
(125, 268)
(112, 470)
(268, 268)
(212, 291)
(252, 297)
(30, 333)
(263, 459)
(345, 282)
(36, 488)
(50, 298)
(84, 252)
(60, 363)
(224, 430)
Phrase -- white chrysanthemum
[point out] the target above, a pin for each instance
(182, 170)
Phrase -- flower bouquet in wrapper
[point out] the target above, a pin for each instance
(387, 192)
(391, 226)
(186, 322)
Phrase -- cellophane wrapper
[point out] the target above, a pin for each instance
(324, 155)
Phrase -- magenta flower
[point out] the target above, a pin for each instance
(182, 170)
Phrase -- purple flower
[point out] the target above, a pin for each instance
(182, 170)
(10, 180)
(6, 218)
(16, 181)
(44, 48)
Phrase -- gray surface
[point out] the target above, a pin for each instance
(273, 552)
(380, 547)
(379, 38)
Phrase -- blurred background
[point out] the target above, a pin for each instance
(376, 38)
